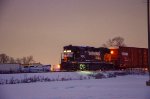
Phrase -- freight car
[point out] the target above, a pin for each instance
(9, 68)
(129, 57)
(76, 58)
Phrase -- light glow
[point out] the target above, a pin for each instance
(68, 51)
(58, 66)
(146, 69)
(111, 52)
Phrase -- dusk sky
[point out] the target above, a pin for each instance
(42, 27)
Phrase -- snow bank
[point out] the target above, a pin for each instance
(41, 77)
(121, 87)
(57, 76)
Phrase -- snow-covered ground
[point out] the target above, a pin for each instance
(43, 77)
(120, 87)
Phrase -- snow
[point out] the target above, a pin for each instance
(120, 87)
(51, 76)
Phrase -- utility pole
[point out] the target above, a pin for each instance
(148, 26)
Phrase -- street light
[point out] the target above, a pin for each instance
(148, 26)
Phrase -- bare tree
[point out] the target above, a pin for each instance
(30, 59)
(115, 42)
(12, 60)
(110, 43)
(18, 60)
(118, 41)
(4, 58)
(27, 60)
(24, 60)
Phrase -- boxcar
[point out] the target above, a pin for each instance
(130, 57)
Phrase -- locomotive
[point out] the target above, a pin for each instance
(76, 58)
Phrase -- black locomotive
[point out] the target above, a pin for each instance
(76, 58)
